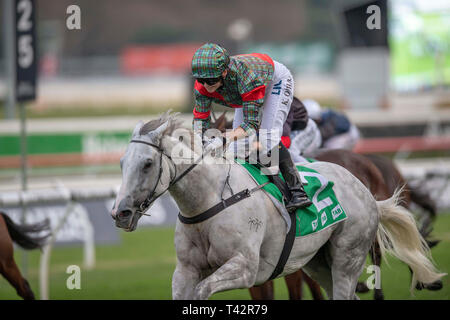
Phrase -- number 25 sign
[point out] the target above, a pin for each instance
(25, 49)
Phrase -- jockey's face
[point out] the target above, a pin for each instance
(215, 86)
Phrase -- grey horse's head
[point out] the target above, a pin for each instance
(142, 172)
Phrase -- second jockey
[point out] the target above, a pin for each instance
(261, 91)
(335, 127)
(300, 133)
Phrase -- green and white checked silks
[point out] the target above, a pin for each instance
(325, 210)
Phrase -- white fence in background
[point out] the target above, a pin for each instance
(436, 184)
(72, 224)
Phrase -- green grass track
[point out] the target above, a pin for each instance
(141, 267)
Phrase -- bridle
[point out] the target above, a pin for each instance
(151, 198)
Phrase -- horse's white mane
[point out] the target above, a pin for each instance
(168, 116)
(174, 128)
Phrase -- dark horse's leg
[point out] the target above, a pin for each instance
(262, 292)
(294, 283)
(11, 273)
(313, 286)
(424, 201)
(8, 267)
(437, 285)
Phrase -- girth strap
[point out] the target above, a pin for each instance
(211, 212)
(288, 243)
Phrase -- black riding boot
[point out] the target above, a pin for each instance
(299, 198)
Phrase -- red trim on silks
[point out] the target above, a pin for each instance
(201, 115)
(255, 94)
(200, 88)
(286, 140)
(262, 56)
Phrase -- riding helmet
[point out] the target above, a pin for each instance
(209, 61)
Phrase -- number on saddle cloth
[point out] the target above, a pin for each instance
(325, 210)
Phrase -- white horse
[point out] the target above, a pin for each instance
(227, 252)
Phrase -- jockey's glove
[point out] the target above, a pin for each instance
(215, 143)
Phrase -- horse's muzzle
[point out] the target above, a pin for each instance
(125, 220)
(123, 214)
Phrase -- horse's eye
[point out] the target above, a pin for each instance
(147, 164)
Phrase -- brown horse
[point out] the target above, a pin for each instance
(9, 232)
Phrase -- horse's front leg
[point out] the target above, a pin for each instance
(238, 272)
(184, 280)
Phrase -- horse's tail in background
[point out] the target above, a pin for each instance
(398, 235)
(20, 233)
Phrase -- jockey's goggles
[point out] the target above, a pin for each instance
(209, 81)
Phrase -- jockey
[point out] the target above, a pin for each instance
(300, 133)
(336, 129)
(260, 90)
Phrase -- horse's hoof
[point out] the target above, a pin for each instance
(378, 295)
(435, 286)
(432, 243)
(361, 288)
(419, 286)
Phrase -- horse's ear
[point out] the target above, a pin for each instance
(168, 125)
(137, 128)
(158, 132)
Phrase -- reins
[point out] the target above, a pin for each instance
(204, 215)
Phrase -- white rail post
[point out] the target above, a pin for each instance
(45, 256)
(88, 242)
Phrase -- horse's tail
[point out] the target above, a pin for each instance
(398, 235)
(20, 233)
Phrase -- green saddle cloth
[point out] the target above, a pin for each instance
(325, 210)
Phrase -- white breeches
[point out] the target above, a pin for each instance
(274, 111)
